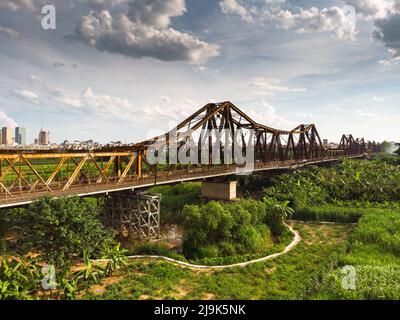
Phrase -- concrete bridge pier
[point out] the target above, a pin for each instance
(219, 190)
(133, 213)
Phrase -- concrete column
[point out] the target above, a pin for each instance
(213, 190)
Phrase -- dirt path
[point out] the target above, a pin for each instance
(296, 240)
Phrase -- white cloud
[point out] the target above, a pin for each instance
(6, 121)
(35, 79)
(26, 6)
(332, 19)
(269, 87)
(377, 99)
(373, 9)
(99, 4)
(144, 32)
(267, 115)
(388, 32)
(386, 15)
(200, 68)
(306, 115)
(165, 99)
(112, 107)
(364, 114)
(237, 8)
(9, 32)
(26, 95)
(89, 102)
(156, 13)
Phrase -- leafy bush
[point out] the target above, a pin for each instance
(22, 277)
(4, 227)
(62, 229)
(19, 278)
(174, 198)
(157, 249)
(220, 230)
(372, 181)
(152, 249)
(392, 159)
(276, 213)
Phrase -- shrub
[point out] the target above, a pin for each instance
(227, 249)
(19, 278)
(152, 249)
(248, 239)
(62, 229)
(4, 227)
(209, 251)
(235, 228)
(276, 213)
(174, 198)
(350, 180)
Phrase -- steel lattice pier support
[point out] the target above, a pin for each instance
(134, 213)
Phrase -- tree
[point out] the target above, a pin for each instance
(277, 212)
(218, 229)
(398, 149)
(61, 229)
(386, 147)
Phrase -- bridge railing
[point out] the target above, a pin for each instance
(162, 177)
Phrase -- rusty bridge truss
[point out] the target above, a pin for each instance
(26, 175)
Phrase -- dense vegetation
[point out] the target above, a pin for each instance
(291, 276)
(175, 197)
(365, 193)
(220, 230)
(374, 252)
(57, 233)
(364, 181)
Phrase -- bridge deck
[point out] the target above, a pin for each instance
(162, 178)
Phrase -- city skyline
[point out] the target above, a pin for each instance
(7, 138)
(282, 62)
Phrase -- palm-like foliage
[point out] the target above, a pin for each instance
(367, 181)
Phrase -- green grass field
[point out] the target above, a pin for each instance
(288, 277)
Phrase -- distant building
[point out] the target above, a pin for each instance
(44, 138)
(6, 136)
(20, 136)
(325, 142)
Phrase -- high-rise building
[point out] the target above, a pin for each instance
(6, 136)
(44, 137)
(20, 135)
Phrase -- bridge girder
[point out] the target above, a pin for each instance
(26, 174)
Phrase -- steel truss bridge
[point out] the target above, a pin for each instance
(26, 175)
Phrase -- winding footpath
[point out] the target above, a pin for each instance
(296, 240)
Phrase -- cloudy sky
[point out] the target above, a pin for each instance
(130, 69)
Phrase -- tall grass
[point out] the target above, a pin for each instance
(333, 213)
(374, 252)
